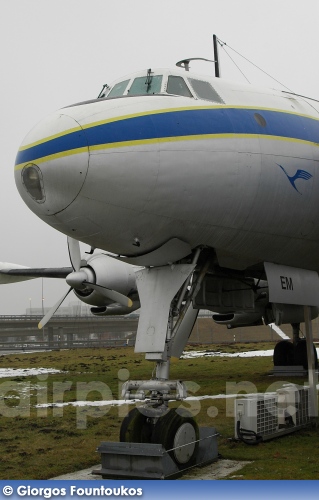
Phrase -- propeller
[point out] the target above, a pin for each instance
(79, 279)
(49, 314)
(74, 253)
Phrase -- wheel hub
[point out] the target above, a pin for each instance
(184, 443)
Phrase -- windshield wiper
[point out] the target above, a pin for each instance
(149, 79)
(101, 94)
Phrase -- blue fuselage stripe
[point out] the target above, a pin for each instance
(178, 124)
(66, 142)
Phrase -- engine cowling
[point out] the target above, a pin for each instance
(271, 313)
(235, 320)
(234, 302)
(114, 309)
(107, 272)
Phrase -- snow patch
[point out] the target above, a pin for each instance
(217, 354)
(26, 372)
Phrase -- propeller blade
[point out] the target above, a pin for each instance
(49, 314)
(111, 294)
(74, 253)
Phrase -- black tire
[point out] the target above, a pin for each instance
(300, 354)
(284, 353)
(135, 428)
(166, 429)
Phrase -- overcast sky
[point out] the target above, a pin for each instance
(54, 53)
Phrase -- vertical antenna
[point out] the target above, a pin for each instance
(217, 70)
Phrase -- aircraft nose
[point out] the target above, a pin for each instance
(51, 164)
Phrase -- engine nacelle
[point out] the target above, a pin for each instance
(235, 320)
(234, 302)
(109, 273)
(226, 295)
(272, 313)
(114, 309)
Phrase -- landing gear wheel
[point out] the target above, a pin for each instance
(300, 354)
(178, 431)
(136, 428)
(283, 353)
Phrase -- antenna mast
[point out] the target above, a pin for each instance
(185, 62)
(216, 59)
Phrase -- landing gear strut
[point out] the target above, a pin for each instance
(156, 441)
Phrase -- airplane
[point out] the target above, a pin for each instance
(198, 193)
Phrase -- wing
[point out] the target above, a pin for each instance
(13, 273)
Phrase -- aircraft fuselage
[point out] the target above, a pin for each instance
(126, 174)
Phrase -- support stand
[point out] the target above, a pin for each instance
(312, 374)
(152, 461)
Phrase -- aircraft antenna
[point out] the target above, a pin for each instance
(216, 58)
(184, 63)
(223, 44)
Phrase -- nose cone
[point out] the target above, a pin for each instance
(51, 164)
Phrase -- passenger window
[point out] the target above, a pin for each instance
(204, 90)
(144, 85)
(118, 89)
(176, 85)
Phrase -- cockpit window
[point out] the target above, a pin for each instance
(146, 85)
(118, 89)
(176, 85)
(204, 90)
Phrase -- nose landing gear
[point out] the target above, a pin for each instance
(158, 441)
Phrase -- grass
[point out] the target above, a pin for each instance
(40, 443)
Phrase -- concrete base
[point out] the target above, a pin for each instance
(291, 371)
(151, 461)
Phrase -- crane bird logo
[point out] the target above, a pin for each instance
(300, 174)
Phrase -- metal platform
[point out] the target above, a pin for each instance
(152, 461)
(291, 371)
